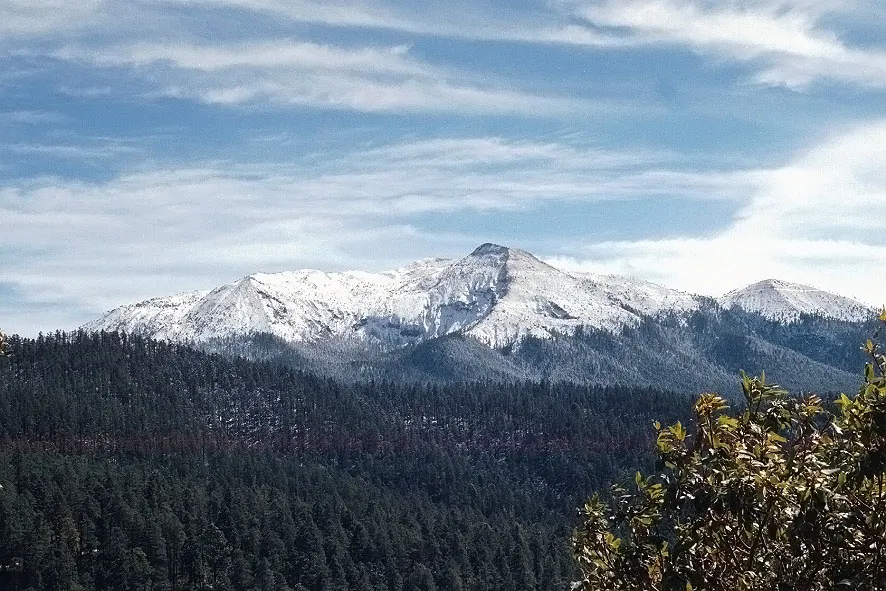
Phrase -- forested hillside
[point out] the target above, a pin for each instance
(132, 464)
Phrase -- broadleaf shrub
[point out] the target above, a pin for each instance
(787, 493)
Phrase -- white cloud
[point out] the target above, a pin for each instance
(292, 72)
(452, 19)
(819, 220)
(785, 39)
(837, 188)
(40, 17)
(88, 150)
(742, 29)
(788, 41)
(265, 54)
(485, 151)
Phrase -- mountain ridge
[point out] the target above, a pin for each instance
(496, 294)
(503, 314)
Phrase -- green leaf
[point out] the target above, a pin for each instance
(678, 430)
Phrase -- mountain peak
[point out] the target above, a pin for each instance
(488, 248)
(505, 254)
(779, 284)
(780, 300)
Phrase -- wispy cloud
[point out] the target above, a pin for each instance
(264, 54)
(31, 117)
(96, 245)
(81, 151)
(460, 19)
(195, 223)
(787, 40)
(490, 173)
(790, 43)
(293, 72)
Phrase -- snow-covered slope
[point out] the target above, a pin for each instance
(497, 295)
(649, 298)
(785, 302)
(154, 318)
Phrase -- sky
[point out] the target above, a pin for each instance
(154, 147)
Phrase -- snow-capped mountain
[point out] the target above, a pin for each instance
(496, 295)
(785, 302)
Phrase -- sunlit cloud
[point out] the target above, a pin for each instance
(786, 40)
(821, 220)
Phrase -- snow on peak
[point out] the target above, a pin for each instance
(496, 294)
(784, 302)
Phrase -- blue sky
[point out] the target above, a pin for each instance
(150, 147)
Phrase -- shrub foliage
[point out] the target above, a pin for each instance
(786, 493)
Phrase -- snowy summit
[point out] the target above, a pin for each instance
(785, 302)
(497, 295)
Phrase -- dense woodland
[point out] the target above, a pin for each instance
(132, 464)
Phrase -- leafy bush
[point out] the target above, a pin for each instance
(787, 493)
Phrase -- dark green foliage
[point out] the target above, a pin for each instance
(786, 494)
(131, 464)
(240, 522)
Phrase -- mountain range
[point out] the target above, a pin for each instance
(502, 313)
